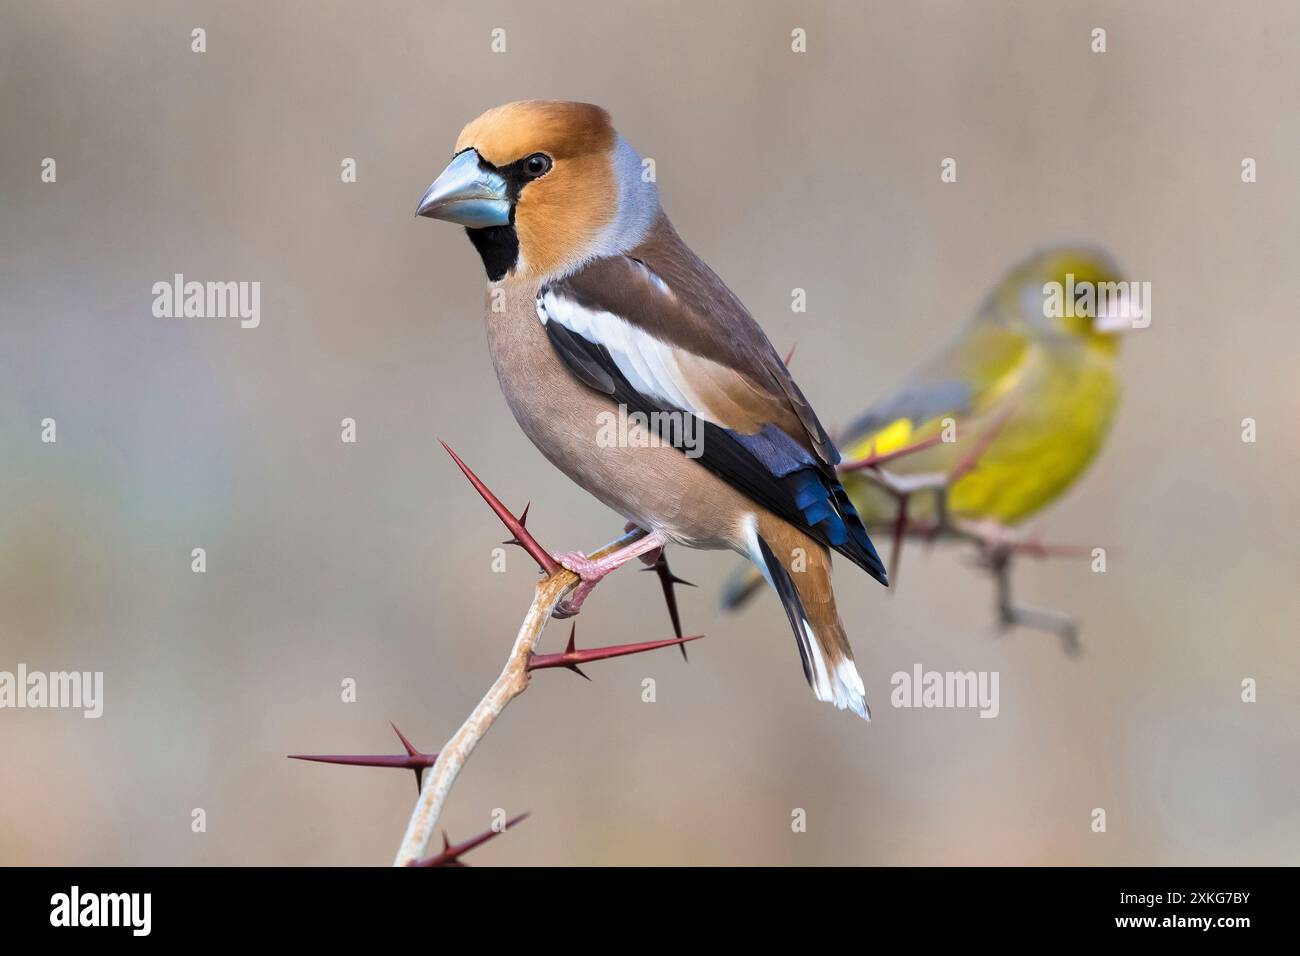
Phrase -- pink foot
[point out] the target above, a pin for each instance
(590, 572)
(593, 571)
(650, 557)
(584, 567)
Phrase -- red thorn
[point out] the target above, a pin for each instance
(523, 520)
(514, 525)
(980, 447)
(410, 747)
(900, 529)
(570, 650)
(572, 657)
(874, 460)
(1039, 549)
(450, 855)
(413, 759)
(666, 580)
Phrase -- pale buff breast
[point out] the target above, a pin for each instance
(659, 487)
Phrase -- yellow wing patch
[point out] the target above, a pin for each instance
(897, 434)
(1055, 429)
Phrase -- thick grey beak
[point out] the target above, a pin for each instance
(468, 194)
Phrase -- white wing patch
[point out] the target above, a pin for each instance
(646, 362)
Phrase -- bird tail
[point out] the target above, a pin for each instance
(799, 570)
(742, 585)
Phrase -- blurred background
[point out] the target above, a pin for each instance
(328, 561)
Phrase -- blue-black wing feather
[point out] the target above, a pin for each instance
(768, 466)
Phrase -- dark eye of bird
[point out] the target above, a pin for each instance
(538, 164)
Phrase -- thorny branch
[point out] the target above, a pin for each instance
(996, 545)
(444, 766)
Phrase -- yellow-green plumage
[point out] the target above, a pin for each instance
(1045, 388)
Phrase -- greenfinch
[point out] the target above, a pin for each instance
(1031, 382)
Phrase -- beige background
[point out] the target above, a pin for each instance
(371, 561)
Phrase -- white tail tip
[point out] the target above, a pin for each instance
(842, 686)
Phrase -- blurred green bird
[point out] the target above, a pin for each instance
(1031, 375)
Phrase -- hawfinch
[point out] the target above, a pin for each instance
(597, 312)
